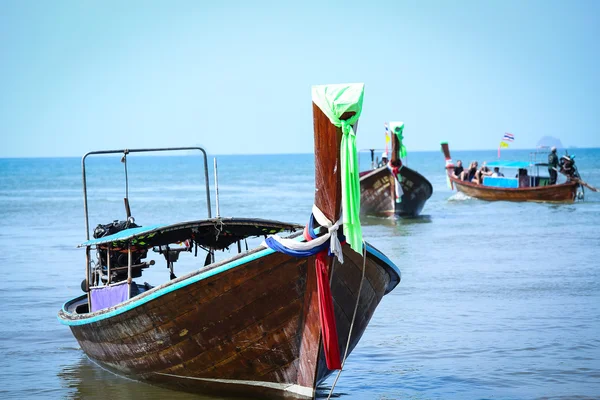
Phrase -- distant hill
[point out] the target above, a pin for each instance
(549, 141)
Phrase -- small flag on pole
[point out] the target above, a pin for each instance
(387, 136)
(509, 137)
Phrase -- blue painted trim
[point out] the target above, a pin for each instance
(383, 257)
(168, 289)
(205, 275)
(509, 164)
(394, 268)
(125, 234)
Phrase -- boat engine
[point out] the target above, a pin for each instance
(118, 257)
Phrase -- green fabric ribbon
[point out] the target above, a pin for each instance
(334, 101)
(398, 129)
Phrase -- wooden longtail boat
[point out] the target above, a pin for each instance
(393, 189)
(256, 324)
(534, 188)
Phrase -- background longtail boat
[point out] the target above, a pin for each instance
(558, 193)
(380, 194)
(249, 325)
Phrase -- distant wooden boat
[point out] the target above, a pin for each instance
(256, 324)
(394, 188)
(533, 188)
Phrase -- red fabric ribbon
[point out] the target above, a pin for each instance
(306, 234)
(326, 314)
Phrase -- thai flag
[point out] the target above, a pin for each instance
(509, 137)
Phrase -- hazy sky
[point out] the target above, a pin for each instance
(235, 76)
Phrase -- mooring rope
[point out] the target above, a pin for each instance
(352, 323)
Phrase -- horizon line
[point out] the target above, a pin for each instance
(302, 153)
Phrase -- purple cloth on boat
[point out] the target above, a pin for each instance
(108, 296)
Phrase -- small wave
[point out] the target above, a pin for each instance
(459, 196)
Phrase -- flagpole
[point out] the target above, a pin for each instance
(508, 137)
(386, 137)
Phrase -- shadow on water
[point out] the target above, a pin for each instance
(396, 221)
(87, 380)
(562, 207)
(322, 392)
(419, 219)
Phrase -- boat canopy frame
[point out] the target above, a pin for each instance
(125, 152)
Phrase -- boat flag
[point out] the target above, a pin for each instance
(398, 129)
(387, 137)
(508, 137)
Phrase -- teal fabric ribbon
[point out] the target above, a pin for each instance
(398, 129)
(334, 101)
(351, 186)
(402, 148)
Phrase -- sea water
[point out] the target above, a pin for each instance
(497, 300)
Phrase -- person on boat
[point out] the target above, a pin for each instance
(553, 165)
(458, 169)
(482, 172)
(497, 173)
(469, 174)
(384, 159)
(523, 178)
(567, 167)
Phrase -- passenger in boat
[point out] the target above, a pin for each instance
(384, 160)
(483, 171)
(469, 174)
(553, 165)
(458, 169)
(523, 178)
(497, 173)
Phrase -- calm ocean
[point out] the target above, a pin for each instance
(497, 300)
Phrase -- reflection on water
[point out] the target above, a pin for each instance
(419, 219)
(395, 220)
(87, 380)
(369, 220)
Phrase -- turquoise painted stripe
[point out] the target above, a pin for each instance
(197, 278)
(123, 235)
(385, 259)
(168, 289)
(393, 282)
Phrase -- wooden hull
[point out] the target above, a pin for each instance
(377, 190)
(563, 193)
(248, 326)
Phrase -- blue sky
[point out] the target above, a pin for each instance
(235, 76)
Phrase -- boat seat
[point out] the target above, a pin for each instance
(500, 182)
